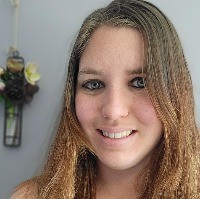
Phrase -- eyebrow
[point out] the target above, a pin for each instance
(91, 71)
(140, 70)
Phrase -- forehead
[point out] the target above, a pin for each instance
(114, 47)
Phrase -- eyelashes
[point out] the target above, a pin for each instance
(138, 82)
(93, 84)
(96, 85)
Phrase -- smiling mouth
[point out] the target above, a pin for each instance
(118, 135)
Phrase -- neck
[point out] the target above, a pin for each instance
(116, 184)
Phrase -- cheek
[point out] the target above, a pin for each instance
(146, 112)
(85, 110)
(80, 109)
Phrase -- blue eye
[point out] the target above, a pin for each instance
(138, 82)
(93, 85)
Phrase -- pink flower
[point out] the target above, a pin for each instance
(2, 86)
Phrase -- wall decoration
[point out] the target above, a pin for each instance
(18, 84)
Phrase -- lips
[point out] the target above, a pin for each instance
(117, 135)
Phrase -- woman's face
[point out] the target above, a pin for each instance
(112, 104)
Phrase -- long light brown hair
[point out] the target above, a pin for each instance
(174, 169)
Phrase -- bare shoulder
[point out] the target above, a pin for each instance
(27, 190)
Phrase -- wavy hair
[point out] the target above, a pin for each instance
(174, 168)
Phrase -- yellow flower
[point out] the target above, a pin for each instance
(14, 65)
(31, 73)
(2, 71)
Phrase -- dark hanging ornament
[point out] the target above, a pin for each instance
(12, 124)
(14, 94)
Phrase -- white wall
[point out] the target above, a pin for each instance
(47, 29)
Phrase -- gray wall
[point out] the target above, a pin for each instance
(47, 30)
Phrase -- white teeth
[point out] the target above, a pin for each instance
(117, 135)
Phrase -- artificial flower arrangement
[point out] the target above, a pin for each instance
(17, 81)
(18, 84)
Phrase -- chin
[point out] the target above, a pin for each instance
(123, 163)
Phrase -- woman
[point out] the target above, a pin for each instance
(127, 128)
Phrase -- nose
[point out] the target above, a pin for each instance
(115, 104)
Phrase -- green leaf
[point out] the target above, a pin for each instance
(1, 97)
(10, 106)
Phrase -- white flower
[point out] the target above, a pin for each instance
(31, 73)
